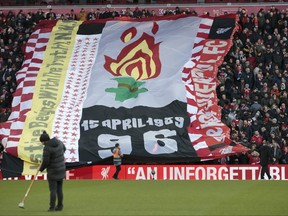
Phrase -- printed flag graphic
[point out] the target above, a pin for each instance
(149, 85)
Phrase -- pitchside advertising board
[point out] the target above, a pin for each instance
(171, 172)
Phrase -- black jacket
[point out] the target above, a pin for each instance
(265, 155)
(53, 159)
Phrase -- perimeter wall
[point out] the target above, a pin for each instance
(171, 172)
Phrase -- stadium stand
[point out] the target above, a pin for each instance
(253, 77)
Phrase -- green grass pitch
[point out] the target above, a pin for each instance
(88, 197)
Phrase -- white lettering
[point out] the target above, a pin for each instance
(69, 174)
(233, 173)
(190, 172)
(115, 123)
(275, 172)
(140, 174)
(179, 173)
(223, 173)
(158, 142)
(200, 173)
(106, 123)
(283, 173)
(211, 173)
(108, 141)
(127, 124)
(164, 173)
(140, 123)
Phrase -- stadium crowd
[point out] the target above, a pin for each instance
(253, 77)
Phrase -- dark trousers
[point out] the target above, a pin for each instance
(118, 168)
(264, 170)
(56, 191)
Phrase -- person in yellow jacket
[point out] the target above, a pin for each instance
(82, 16)
(117, 160)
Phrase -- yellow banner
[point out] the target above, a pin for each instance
(47, 94)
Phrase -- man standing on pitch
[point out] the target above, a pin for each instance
(265, 157)
(54, 162)
(117, 160)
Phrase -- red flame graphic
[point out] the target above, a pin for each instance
(140, 59)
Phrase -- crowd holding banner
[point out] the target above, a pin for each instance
(233, 75)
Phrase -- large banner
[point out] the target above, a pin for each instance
(171, 172)
(148, 85)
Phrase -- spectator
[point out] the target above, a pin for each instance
(265, 101)
(145, 13)
(177, 11)
(257, 139)
(39, 15)
(114, 13)
(246, 91)
(264, 133)
(283, 98)
(137, 13)
(168, 12)
(255, 107)
(265, 156)
(51, 15)
(284, 157)
(247, 129)
(254, 158)
(284, 131)
(276, 152)
(127, 12)
(72, 15)
(153, 13)
(91, 15)
(243, 158)
(82, 16)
